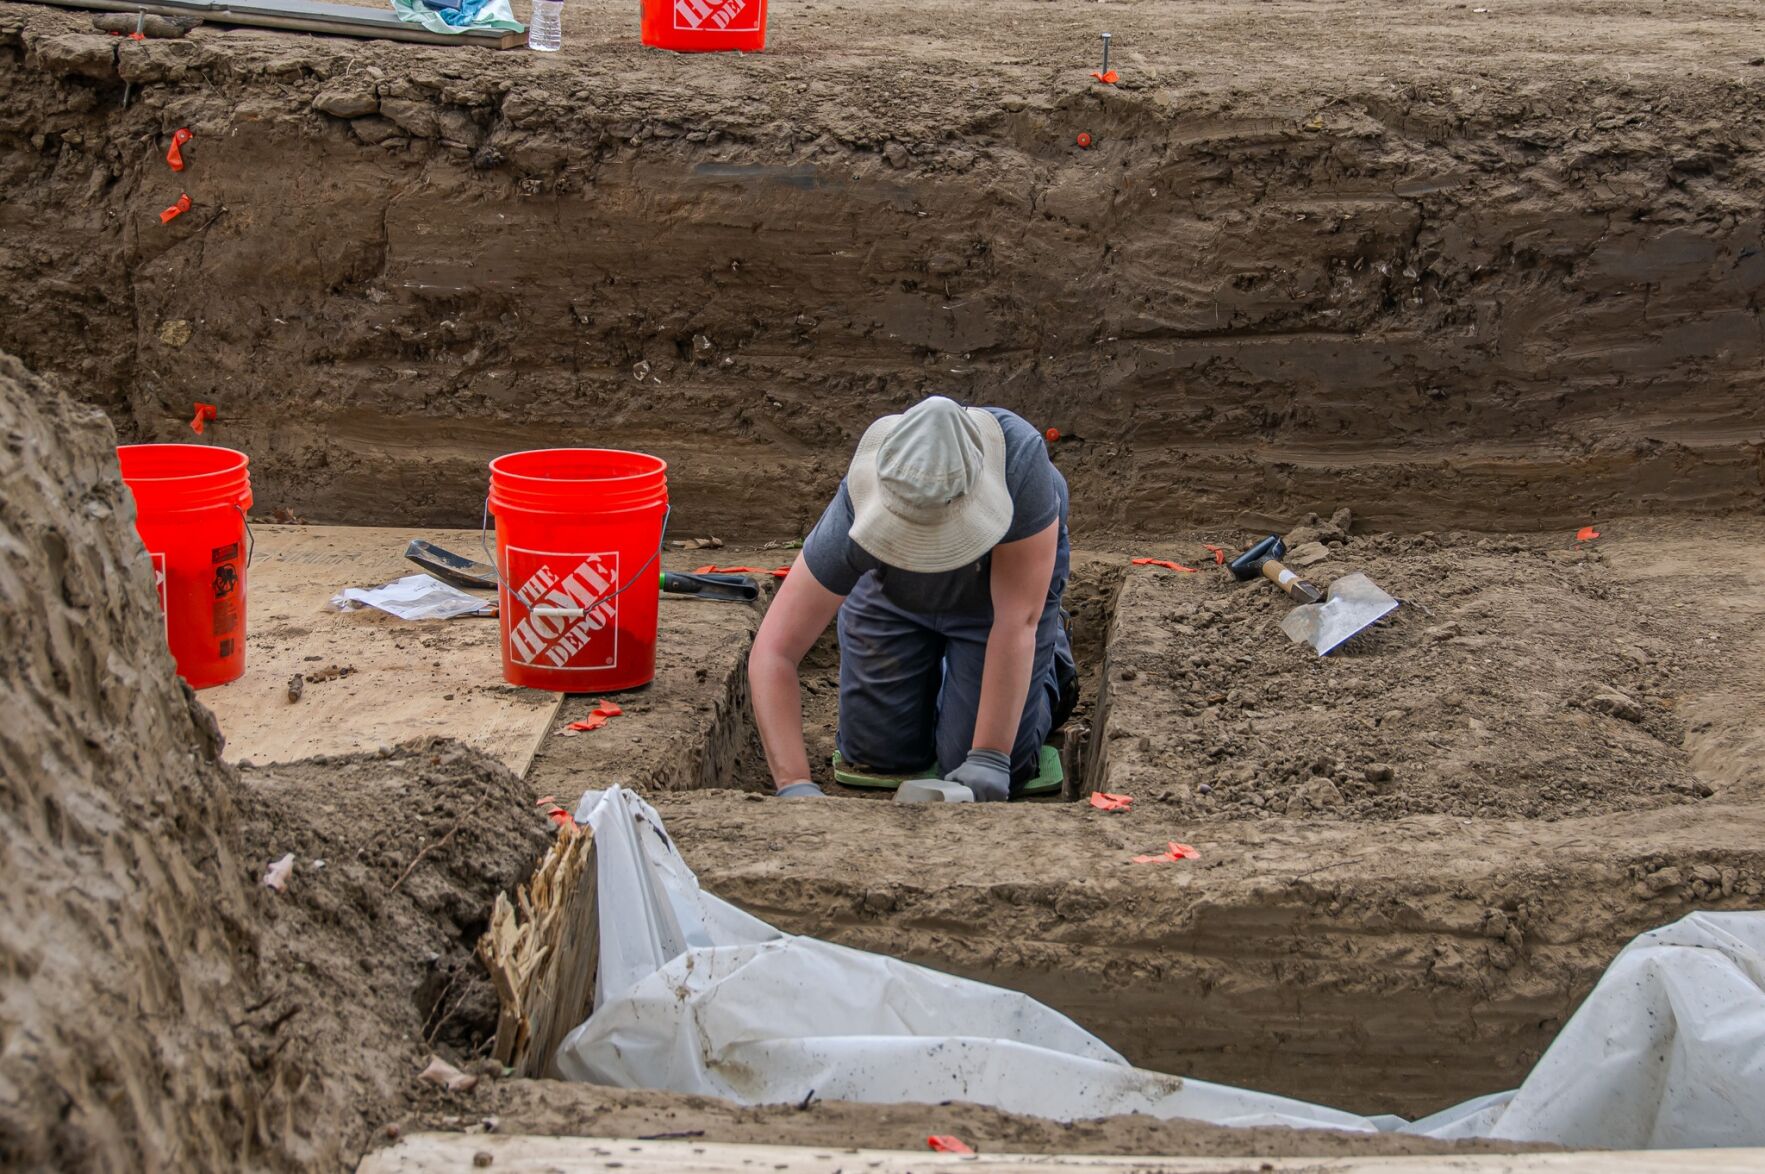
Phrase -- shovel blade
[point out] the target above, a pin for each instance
(1352, 604)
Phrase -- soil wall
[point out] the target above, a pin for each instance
(1521, 301)
(123, 988)
(160, 1009)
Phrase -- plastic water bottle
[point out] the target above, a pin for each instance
(545, 31)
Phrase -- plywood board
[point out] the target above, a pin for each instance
(407, 679)
(306, 16)
(423, 1153)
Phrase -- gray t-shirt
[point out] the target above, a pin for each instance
(1038, 497)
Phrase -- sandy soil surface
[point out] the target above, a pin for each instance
(1492, 270)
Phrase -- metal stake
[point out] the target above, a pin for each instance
(140, 22)
(1105, 68)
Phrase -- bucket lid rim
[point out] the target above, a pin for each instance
(660, 467)
(242, 465)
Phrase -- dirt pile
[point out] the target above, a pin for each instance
(1519, 679)
(1511, 297)
(162, 1007)
(366, 958)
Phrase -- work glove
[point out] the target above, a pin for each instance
(985, 772)
(802, 790)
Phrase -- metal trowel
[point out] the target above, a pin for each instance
(1323, 619)
(1351, 605)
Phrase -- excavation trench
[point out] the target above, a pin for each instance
(1393, 908)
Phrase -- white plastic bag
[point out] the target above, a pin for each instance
(414, 597)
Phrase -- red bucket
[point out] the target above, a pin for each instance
(190, 503)
(578, 540)
(705, 26)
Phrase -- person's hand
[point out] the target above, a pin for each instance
(985, 772)
(801, 789)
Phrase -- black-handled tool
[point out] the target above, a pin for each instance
(1264, 559)
(710, 586)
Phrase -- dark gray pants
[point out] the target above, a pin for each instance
(910, 684)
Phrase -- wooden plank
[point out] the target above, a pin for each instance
(451, 1152)
(306, 16)
(543, 951)
(407, 679)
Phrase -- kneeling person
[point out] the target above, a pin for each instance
(945, 556)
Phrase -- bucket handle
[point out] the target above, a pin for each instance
(250, 538)
(566, 612)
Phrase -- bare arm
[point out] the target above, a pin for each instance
(1021, 573)
(799, 614)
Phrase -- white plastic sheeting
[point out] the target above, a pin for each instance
(1667, 1052)
(695, 996)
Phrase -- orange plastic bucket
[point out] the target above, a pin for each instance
(705, 26)
(578, 540)
(190, 503)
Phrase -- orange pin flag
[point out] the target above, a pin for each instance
(174, 155)
(1173, 852)
(1586, 534)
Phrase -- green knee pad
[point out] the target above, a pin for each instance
(1049, 777)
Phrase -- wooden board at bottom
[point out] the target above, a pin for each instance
(406, 679)
(435, 1153)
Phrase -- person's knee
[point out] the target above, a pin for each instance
(866, 747)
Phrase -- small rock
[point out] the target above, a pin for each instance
(1316, 794)
(1440, 632)
(1377, 772)
(896, 154)
(373, 129)
(417, 119)
(441, 1072)
(1661, 880)
(1300, 535)
(175, 332)
(1615, 704)
(347, 102)
(1306, 554)
(482, 1158)
(296, 686)
(1342, 521)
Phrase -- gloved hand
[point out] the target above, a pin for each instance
(801, 790)
(985, 772)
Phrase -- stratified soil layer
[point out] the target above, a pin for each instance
(1449, 267)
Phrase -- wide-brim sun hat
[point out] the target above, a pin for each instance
(928, 487)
